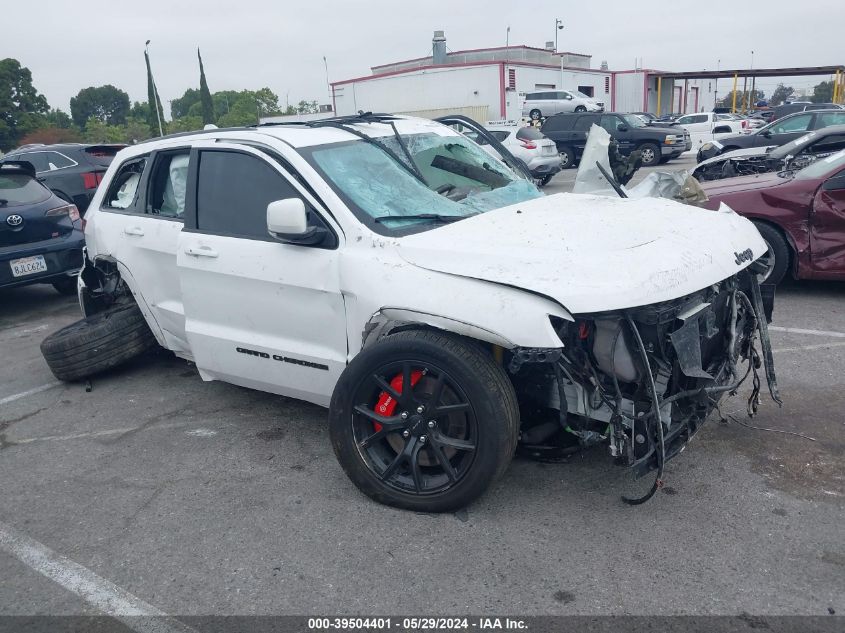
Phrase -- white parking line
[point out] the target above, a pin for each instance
(795, 330)
(29, 392)
(807, 347)
(99, 592)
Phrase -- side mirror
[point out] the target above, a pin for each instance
(767, 134)
(287, 221)
(622, 128)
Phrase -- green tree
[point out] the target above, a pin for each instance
(140, 110)
(59, 119)
(22, 108)
(180, 107)
(137, 129)
(752, 98)
(307, 107)
(106, 103)
(98, 131)
(205, 96)
(781, 94)
(156, 117)
(185, 124)
(823, 92)
(52, 134)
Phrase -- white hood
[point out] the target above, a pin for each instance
(592, 253)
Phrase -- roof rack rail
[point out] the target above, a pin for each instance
(361, 117)
(194, 133)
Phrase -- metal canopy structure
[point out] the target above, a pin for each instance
(838, 72)
(753, 72)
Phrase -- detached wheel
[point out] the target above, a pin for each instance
(436, 445)
(97, 343)
(650, 154)
(567, 157)
(776, 258)
(66, 286)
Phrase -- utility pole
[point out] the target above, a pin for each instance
(328, 85)
(558, 27)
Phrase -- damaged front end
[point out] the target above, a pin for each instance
(644, 380)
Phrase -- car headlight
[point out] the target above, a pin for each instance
(670, 139)
(706, 146)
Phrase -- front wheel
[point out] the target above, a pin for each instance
(776, 259)
(581, 108)
(545, 180)
(535, 114)
(650, 154)
(424, 421)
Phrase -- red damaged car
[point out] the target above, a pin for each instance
(800, 214)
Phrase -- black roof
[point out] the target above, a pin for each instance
(62, 146)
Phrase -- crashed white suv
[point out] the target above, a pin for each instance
(432, 297)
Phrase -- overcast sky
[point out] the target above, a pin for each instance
(70, 45)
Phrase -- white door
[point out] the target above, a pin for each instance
(138, 224)
(700, 129)
(259, 313)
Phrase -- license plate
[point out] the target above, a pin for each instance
(28, 266)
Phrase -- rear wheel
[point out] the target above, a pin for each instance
(650, 154)
(567, 157)
(435, 445)
(97, 343)
(776, 258)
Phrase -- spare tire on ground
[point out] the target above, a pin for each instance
(97, 343)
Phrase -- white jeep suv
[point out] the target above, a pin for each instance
(433, 298)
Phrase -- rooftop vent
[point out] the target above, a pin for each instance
(438, 48)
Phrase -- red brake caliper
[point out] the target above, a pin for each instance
(386, 405)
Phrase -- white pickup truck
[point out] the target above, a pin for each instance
(430, 296)
(708, 126)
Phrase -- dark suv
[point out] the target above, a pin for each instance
(657, 144)
(71, 170)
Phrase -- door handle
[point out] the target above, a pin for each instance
(133, 230)
(202, 251)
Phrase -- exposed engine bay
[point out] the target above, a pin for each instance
(644, 380)
(755, 164)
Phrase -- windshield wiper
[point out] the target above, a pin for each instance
(445, 219)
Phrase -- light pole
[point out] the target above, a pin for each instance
(328, 84)
(157, 103)
(558, 27)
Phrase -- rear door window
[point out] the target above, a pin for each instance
(233, 191)
(38, 160)
(168, 185)
(798, 123)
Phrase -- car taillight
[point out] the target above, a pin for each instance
(91, 179)
(528, 145)
(69, 210)
(84, 223)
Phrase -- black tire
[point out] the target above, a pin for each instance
(535, 114)
(778, 256)
(651, 154)
(97, 343)
(545, 180)
(66, 286)
(567, 156)
(580, 109)
(387, 463)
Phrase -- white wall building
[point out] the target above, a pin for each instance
(491, 83)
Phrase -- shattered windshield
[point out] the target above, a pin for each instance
(450, 178)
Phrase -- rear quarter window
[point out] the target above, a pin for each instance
(529, 134)
(101, 155)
